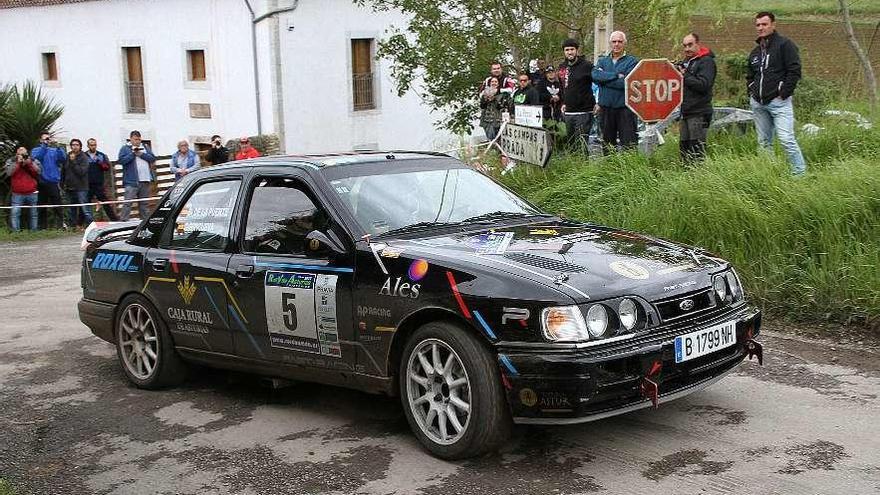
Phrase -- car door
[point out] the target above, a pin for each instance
(185, 274)
(294, 293)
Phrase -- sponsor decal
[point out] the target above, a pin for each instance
(379, 328)
(554, 401)
(187, 289)
(191, 328)
(543, 232)
(629, 269)
(679, 286)
(114, 262)
(191, 315)
(517, 314)
(301, 312)
(371, 311)
(369, 339)
(390, 252)
(396, 287)
(314, 245)
(528, 397)
(290, 280)
(491, 242)
(157, 220)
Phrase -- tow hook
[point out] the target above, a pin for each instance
(755, 349)
(648, 387)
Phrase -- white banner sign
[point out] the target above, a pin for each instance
(529, 115)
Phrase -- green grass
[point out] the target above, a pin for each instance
(27, 235)
(6, 488)
(787, 9)
(806, 248)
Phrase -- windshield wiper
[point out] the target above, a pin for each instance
(415, 227)
(501, 215)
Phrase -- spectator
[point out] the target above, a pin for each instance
(246, 150)
(773, 73)
(548, 91)
(184, 161)
(537, 72)
(619, 125)
(99, 164)
(525, 94)
(24, 174)
(492, 103)
(698, 70)
(137, 174)
(505, 83)
(218, 153)
(51, 158)
(75, 179)
(577, 95)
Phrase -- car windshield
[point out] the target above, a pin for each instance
(417, 199)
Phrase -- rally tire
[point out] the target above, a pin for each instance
(479, 405)
(144, 346)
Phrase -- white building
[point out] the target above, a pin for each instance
(185, 69)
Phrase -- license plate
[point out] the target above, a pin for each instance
(706, 341)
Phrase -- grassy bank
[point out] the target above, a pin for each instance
(27, 235)
(807, 248)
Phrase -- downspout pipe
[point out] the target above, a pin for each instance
(254, 21)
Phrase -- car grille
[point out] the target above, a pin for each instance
(545, 263)
(690, 304)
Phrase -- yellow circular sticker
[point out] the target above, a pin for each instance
(528, 397)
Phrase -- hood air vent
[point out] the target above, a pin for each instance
(545, 263)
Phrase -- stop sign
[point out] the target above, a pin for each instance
(653, 89)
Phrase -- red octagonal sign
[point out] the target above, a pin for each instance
(653, 89)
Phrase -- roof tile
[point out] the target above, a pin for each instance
(12, 4)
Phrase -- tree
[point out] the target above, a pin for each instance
(28, 113)
(448, 45)
(870, 78)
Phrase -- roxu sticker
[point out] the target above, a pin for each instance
(115, 262)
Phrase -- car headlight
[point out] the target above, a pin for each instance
(628, 314)
(720, 286)
(597, 320)
(564, 324)
(736, 290)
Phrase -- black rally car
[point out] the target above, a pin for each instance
(412, 274)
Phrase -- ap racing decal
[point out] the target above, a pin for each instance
(115, 262)
(301, 312)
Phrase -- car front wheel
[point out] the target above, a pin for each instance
(451, 392)
(144, 346)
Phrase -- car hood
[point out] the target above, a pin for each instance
(587, 262)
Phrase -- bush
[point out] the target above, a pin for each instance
(806, 248)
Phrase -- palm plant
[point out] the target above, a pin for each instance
(28, 113)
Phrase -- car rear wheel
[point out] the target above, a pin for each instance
(144, 346)
(451, 392)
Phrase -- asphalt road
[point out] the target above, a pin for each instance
(805, 423)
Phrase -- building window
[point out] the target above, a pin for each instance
(135, 99)
(196, 65)
(362, 74)
(50, 67)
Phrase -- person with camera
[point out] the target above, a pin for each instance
(138, 175)
(51, 158)
(246, 150)
(75, 180)
(698, 70)
(493, 102)
(184, 160)
(218, 153)
(24, 173)
(99, 164)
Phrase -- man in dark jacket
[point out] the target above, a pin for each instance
(698, 70)
(525, 94)
(52, 158)
(549, 90)
(577, 94)
(218, 153)
(773, 73)
(138, 174)
(619, 123)
(99, 164)
(75, 179)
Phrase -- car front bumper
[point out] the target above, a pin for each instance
(98, 316)
(586, 383)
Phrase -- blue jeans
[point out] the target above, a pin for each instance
(19, 200)
(778, 116)
(74, 197)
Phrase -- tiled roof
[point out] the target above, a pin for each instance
(12, 4)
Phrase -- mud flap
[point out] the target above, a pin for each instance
(755, 349)
(649, 387)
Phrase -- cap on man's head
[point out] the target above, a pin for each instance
(570, 42)
(135, 133)
(550, 68)
(244, 140)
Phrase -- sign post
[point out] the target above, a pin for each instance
(654, 89)
(525, 144)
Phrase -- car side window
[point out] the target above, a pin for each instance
(280, 216)
(203, 221)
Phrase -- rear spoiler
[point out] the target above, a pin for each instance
(100, 231)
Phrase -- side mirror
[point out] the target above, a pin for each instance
(317, 241)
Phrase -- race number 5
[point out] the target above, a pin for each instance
(288, 309)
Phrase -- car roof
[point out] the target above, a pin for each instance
(330, 159)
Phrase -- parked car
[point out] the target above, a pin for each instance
(411, 274)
